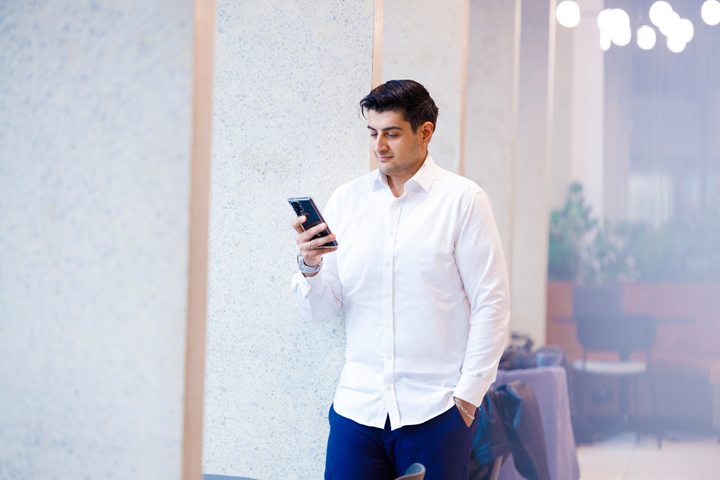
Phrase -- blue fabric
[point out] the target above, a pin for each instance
(358, 452)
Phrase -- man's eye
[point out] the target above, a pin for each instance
(392, 135)
(373, 135)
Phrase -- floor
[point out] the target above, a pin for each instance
(683, 456)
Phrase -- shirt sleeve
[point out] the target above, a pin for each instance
(481, 263)
(319, 298)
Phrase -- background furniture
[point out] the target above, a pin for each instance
(684, 352)
(416, 471)
(549, 384)
(603, 326)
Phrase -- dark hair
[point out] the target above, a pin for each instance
(408, 97)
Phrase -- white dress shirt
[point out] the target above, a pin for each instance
(423, 281)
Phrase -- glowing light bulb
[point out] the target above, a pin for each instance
(684, 29)
(568, 14)
(669, 24)
(710, 12)
(604, 21)
(646, 37)
(605, 40)
(614, 24)
(675, 44)
(621, 36)
(659, 13)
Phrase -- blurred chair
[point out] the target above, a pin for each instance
(602, 326)
(416, 471)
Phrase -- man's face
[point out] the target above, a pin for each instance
(400, 152)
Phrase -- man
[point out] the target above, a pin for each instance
(421, 274)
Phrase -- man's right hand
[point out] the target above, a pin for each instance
(311, 248)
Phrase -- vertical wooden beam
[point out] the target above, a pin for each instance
(377, 56)
(198, 240)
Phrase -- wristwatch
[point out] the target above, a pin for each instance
(306, 268)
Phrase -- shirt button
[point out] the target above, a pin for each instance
(392, 233)
(397, 204)
(387, 325)
(383, 407)
(387, 263)
(388, 387)
(389, 357)
(387, 294)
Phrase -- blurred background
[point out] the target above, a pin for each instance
(147, 149)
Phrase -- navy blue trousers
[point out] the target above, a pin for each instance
(358, 452)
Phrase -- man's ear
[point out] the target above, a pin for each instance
(427, 129)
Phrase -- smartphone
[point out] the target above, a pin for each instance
(306, 206)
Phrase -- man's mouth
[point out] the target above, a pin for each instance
(383, 158)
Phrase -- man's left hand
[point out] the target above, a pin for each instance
(469, 407)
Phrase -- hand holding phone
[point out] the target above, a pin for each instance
(305, 206)
(314, 237)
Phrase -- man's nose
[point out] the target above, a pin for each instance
(380, 145)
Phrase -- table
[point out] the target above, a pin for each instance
(549, 384)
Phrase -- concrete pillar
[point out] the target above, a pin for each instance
(426, 41)
(562, 139)
(96, 153)
(289, 76)
(588, 112)
(618, 131)
(491, 119)
(578, 144)
(532, 212)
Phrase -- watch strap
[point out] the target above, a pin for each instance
(307, 268)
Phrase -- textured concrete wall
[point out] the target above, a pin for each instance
(507, 141)
(532, 199)
(289, 76)
(95, 133)
(423, 40)
(491, 130)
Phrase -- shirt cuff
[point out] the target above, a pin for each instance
(307, 284)
(471, 389)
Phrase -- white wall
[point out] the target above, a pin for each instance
(588, 112)
(491, 125)
(424, 40)
(532, 199)
(95, 133)
(289, 76)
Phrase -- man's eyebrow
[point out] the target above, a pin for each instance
(392, 127)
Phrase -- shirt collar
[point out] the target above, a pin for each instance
(422, 179)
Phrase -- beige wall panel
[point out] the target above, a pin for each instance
(532, 202)
(96, 126)
(424, 40)
(491, 128)
(289, 76)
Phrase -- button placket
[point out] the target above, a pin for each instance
(390, 399)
